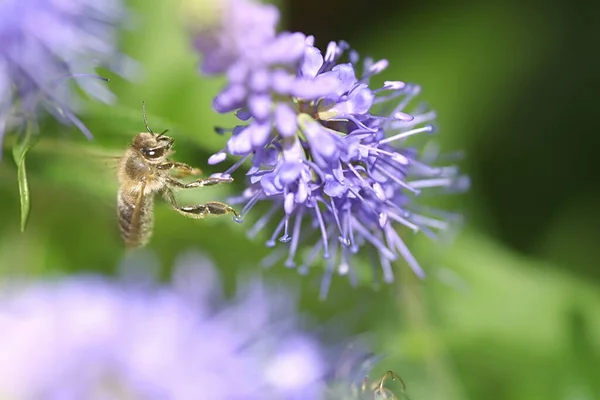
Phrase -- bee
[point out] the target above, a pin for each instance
(378, 389)
(144, 172)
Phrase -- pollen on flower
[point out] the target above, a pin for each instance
(335, 158)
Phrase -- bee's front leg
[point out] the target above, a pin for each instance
(181, 169)
(199, 182)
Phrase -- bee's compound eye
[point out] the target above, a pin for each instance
(153, 153)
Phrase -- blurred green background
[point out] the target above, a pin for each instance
(511, 307)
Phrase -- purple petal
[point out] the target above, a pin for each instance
(290, 171)
(302, 192)
(321, 86)
(362, 97)
(239, 145)
(229, 99)
(333, 188)
(260, 106)
(282, 81)
(338, 173)
(285, 120)
(288, 203)
(237, 73)
(260, 81)
(321, 141)
(259, 134)
(346, 77)
(359, 102)
(267, 157)
(287, 48)
(243, 114)
(313, 60)
(269, 184)
(256, 178)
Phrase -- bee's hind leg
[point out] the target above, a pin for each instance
(209, 208)
(198, 211)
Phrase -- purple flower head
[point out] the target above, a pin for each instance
(233, 30)
(336, 158)
(45, 44)
(87, 337)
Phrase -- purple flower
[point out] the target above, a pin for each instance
(335, 157)
(238, 31)
(47, 43)
(87, 337)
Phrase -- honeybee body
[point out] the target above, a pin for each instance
(136, 225)
(135, 232)
(144, 172)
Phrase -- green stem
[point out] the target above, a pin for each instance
(20, 150)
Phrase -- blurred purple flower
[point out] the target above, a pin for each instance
(45, 43)
(86, 337)
(330, 152)
(247, 26)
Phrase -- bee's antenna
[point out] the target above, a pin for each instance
(145, 119)
(162, 133)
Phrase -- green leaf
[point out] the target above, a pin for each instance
(23, 144)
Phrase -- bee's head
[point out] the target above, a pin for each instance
(154, 147)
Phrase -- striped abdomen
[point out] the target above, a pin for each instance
(135, 224)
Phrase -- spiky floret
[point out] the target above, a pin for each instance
(335, 156)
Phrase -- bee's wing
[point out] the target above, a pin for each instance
(111, 162)
(107, 159)
(90, 172)
(132, 240)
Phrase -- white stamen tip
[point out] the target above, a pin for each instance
(403, 116)
(379, 66)
(285, 238)
(331, 51)
(344, 241)
(221, 175)
(399, 158)
(383, 218)
(429, 128)
(379, 191)
(217, 158)
(393, 85)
